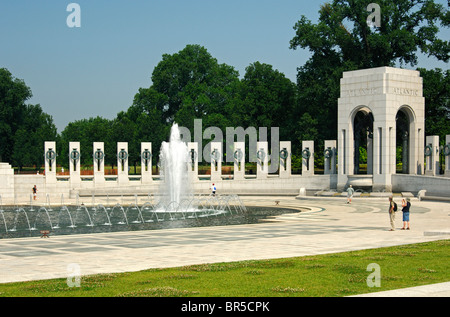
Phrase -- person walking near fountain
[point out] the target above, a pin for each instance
(213, 190)
(350, 192)
(34, 192)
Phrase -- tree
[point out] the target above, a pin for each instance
(436, 89)
(267, 96)
(318, 83)
(37, 127)
(343, 41)
(187, 85)
(146, 111)
(194, 82)
(23, 128)
(407, 26)
(13, 94)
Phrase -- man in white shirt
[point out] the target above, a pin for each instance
(350, 192)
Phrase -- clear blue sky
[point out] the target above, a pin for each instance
(95, 70)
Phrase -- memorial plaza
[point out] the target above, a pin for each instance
(371, 101)
(324, 225)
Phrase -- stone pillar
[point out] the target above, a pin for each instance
(405, 151)
(193, 160)
(50, 162)
(308, 158)
(99, 162)
(146, 162)
(216, 161)
(417, 152)
(447, 155)
(74, 164)
(377, 132)
(383, 156)
(239, 160)
(342, 171)
(262, 160)
(330, 157)
(285, 159)
(122, 163)
(392, 149)
(432, 155)
(370, 153)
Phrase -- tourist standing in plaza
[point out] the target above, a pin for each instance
(392, 213)
(350, 192)
(406, 206)
(34, 192)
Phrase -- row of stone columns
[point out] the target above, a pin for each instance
(98, 162)
(262, 168)
(432, 152)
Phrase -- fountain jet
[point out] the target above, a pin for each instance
(174, 159)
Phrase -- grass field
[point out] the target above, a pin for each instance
(330, 275)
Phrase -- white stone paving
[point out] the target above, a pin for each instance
(330, 226)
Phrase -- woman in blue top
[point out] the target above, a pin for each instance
(406, 205)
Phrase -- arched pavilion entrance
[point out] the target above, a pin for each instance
(381, 111)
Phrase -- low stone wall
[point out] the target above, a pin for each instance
(434, 185)
(270, 186)
(25, 183)
(6, 181)
(63, 188)
(20, 186)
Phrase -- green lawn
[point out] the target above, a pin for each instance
(328, 275)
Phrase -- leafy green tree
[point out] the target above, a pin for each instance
(264, 97)
(23, 128)
(343, 41)
(194, 82)
(308, 128)
(191, 84)
(436, 89)
(37, 127)
(13, 95)
(187, 85)
(146, 111)
(407, 26)
(267, 97)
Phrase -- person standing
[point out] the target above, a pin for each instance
(34, 192)
(350, 192)
(406, 206)
(213, 189)
(392, 213)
